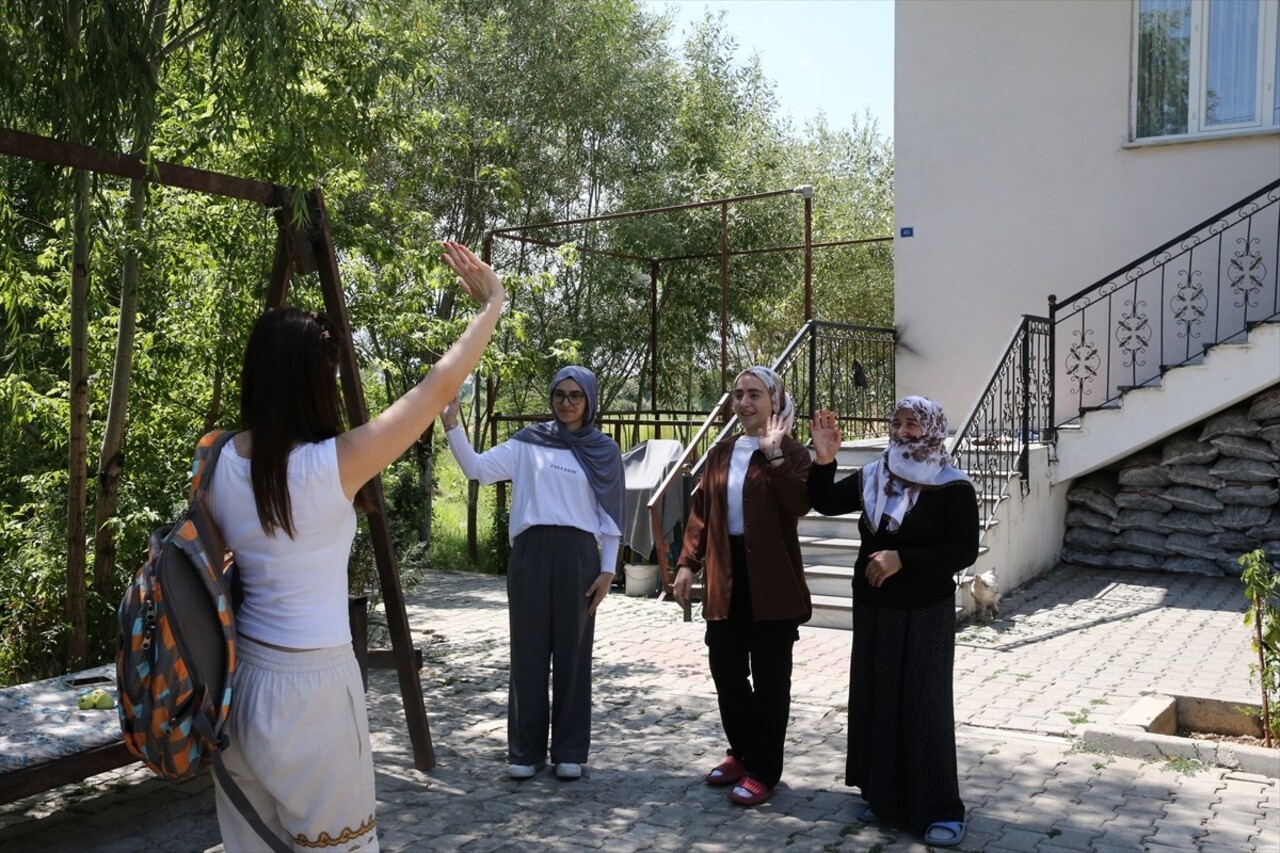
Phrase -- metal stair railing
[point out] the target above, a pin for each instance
(1207, 286)
(1011, 413)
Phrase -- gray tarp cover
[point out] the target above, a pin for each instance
(644, 467)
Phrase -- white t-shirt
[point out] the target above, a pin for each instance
(738, 464)
(548, 486)
(295, 590)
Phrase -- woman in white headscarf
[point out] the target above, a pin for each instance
(919, 527)
(742, 533)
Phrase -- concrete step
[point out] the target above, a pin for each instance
(855, 454)
(818, 526)
(829, 581)
(829, 612)
(834, 551)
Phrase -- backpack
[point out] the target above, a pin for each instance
(177, 646)
(177, 637)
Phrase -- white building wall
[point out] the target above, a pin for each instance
(1011, 125)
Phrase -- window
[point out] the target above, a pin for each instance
(1205, 67)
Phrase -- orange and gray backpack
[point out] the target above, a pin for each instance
(177, 644)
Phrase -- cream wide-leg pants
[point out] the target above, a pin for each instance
(299, 750)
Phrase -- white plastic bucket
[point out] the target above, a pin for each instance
(642, 580)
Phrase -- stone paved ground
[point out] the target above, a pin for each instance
(1075, 646)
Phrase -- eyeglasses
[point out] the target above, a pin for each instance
(573, 397)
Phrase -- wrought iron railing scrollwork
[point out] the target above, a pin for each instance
(1011, 413)
(1207, 286)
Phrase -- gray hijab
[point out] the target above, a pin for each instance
(598, 454)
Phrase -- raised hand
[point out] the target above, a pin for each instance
(449, 414)
(771, 434)
(477, 278)
(826, 436)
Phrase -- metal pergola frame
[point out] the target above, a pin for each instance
(301, 251)
(519, 233)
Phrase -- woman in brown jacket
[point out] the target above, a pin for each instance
(742, 533)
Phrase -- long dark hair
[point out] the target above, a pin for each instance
(288, 396)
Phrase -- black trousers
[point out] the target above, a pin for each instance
(751, 667)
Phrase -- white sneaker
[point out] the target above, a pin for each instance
(522, 771)
(568, 770)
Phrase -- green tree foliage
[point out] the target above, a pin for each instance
(420, 121)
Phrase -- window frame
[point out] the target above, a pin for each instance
(1266, 110)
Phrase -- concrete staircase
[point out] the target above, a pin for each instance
(1226, 374)
(829, 544)
(1024, 538)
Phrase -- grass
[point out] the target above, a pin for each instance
(1186, 766)
(1078, 747)
(448, 549)
(1077, 717)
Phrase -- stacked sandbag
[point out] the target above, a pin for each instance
(1192, 503)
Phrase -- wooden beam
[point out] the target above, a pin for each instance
(37, 778)
(55, 152)
(335, 307)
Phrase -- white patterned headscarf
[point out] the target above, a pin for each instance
(892, 484)
(781, 401)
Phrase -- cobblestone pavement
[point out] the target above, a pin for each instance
(1075, 646)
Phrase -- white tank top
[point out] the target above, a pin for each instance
(295, 589)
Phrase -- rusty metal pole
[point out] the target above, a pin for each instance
(807, 192)
(724, 298)
(653, 336)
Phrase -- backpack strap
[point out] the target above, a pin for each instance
(242, 804)
(208, 451)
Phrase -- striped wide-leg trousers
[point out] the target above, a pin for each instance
(550, 571)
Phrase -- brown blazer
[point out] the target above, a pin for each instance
(774, 497)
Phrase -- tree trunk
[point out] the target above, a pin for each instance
(426, 482)
(77, 466)
(78, 393)
(214, 414)
(111, 458)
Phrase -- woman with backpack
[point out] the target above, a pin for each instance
(282, 494)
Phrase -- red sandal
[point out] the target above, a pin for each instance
(726, 772)
(750, 792)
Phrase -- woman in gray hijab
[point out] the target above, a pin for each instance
(565, 526)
